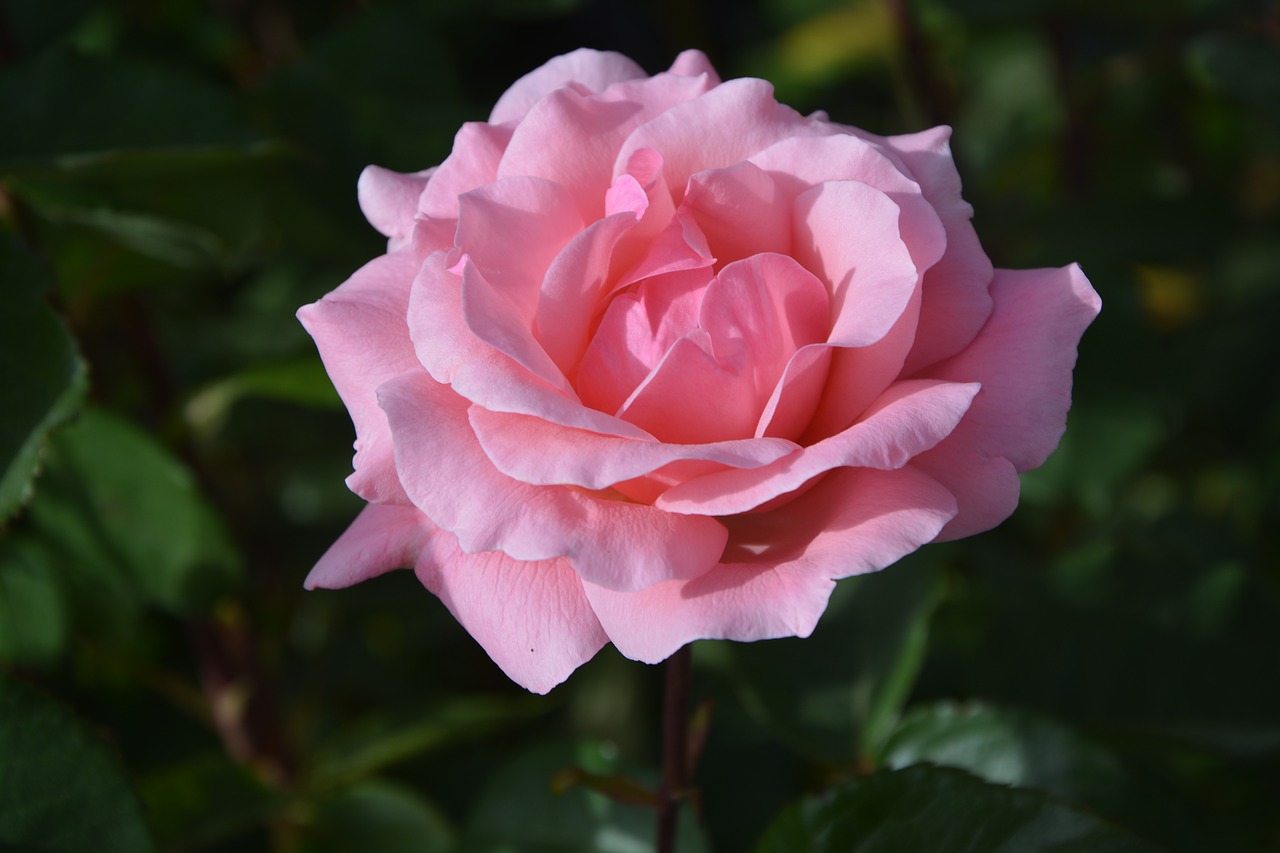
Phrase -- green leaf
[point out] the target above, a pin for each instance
(1010, 747)
(61, 789)
(942, 810)
(521, 812)
(33, 613)
(300, 381)
(204, 800)
(118, 104)
(42, 379)
(123, 510)
(378, 742)
(381, 816)
(837, 694)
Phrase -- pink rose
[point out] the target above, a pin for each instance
(655, 359)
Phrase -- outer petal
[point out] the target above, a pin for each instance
(725, 126)
(955, 303)
(382, 538)
(1023, 357)
(389, 200)
(532, 618)
(535, 451)
(477, 151)
(779, 566)
(363, 340)
(593, 69)
(799, 163)
(572, 139)
(613, 543)
(692, 63)
(910, 417)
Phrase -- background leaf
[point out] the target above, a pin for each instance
(933, 808)
(61, 789)
(42, 379)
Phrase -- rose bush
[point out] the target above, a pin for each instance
(654, 359)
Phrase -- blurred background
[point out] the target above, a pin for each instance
(178, 176)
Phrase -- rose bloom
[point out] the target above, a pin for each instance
(656, 359)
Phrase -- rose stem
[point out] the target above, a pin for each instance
(675, 746)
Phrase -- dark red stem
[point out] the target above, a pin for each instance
(675, 747)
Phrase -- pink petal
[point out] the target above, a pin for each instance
(512, 230)
(571, 291)
(541, 453)
(911, 417)
(477, 151)
(795, 397)
(592, 69)
(637, 330)
(802, 162)
(758, 312)
(725, 126)
(1023, 357)
(382, 538)
(612, 543)
(389, 200)
(497, 322)
(741, 212)
(847, 234)
(779, 566)
(858, 375)
(985, 487)
(452, 353)
(532, 618)
(692, 63)
(363, 340)
(674, 402)
(572, 139)
(956, 303)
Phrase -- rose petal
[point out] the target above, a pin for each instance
(593, 69)
(673, 402)
(725, 126)
(637, 330)
(446, 473)
(693, 63)
(858, 375)
(532, 618)
(1023, 357)
(779, 568)
(586, 132)
(473, 162)
(986, 487)
(799, 163)
(955, 303)
(911, 417)
(383, 537)
(571, 292)
(847, 234)
(363, 341)
(534, 451)
(758, 312)
(512, 229)
(741, 212)
(389, 200)
(795, 397)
